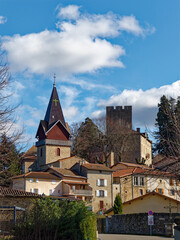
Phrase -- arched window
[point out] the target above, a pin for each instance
(58, 151)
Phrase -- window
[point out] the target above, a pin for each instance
(50, 191)
(36, 190)
(141, 191)
(160, 190)
(101, 182)
(53, 181)
(73, 188)
(141, 181)
(171, 181)
(172, 192)
(58, 151)
(37, 180)
(136, 181)
(31, 180)
(101, 193)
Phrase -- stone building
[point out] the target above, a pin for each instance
(134, 182)
(137, 147)
(100, 179)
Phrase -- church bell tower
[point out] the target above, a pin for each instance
(53, 134)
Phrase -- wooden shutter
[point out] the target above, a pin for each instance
(162, 191)
(98, 182)
(157, 190)
(105, 193)
(105, 182)
(97, 193)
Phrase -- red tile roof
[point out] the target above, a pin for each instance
(8, 192)
(40, 175)
(129, 165)
(97, 167)
(73, 182)
(66, 172)
(130, 171)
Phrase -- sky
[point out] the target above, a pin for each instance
(104, 53)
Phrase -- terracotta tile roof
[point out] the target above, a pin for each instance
(91, 166)
(66, 172)
(31, 152)
(40, 175)
(64, 159)
(130, 171)
(73, 182)
(123, 172)
(129, 165)
(8, 192)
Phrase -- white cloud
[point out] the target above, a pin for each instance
(3, 20)
(70, 113)
(69, 12)
(79, 46)
(144, 103)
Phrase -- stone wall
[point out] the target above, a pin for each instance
(138, 224)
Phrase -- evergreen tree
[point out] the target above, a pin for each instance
(86, 140)
(9, 160)
(118, 206)
(168, 127)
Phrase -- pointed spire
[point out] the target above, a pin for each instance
(54, 110)
(54, 84)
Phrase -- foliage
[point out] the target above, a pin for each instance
(9, 160)
(86, 139)
(51, 220)
(168, 127)
(118, 206)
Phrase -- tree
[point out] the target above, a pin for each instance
(118, 206)
(86, 139)
(9, 136)
(168, 127)
(52, 220)
(9, 160)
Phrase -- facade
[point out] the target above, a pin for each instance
(155, 202)
(100, 179)
(135, 182)
(138, 148)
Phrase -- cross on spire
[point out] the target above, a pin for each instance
(54, 84)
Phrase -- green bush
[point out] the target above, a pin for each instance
(53, 220)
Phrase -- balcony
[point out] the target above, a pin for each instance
(81, 192)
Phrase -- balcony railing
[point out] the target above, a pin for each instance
(81, 192)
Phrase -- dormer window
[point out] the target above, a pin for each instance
(58, 152)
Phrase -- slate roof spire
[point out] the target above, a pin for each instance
(54, 110)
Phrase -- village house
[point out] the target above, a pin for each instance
(100, 179)
(135, 181)
(153, 201)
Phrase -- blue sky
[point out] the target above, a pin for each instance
(118, 52)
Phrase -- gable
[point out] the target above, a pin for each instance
(40, 133)
(58, 132)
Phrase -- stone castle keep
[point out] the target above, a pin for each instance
(119, 116)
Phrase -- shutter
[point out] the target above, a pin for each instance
(157, 190)
(32, 190)
(162, 191)
(177, 183)
(98, 182)
(39, 191)
(105, 182)
(97, 193)
(105, 193)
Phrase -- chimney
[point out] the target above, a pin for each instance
(138, 130)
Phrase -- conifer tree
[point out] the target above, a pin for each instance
(86, 140)
(118, 206)
(9, 161)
